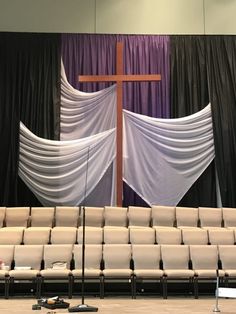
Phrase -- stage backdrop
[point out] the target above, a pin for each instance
(194, 69)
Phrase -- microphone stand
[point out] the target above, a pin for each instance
(83, 307)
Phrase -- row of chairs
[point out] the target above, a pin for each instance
(162, 263)
(117, 235)
(118, 216)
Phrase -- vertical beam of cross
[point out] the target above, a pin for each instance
(119, 78)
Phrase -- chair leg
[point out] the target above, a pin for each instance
(164, 284)
(7, 287)
(134, 286)
(195, 280)
(102, 287)
(70, 283)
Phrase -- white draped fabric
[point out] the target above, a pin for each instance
(59, 172)
(164, 157)
(85, 114)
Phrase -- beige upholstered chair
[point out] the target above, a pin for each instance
(11, 235)
(186, 217)
(116, 235)
(93, 216)
(41, 222)
(164, 216)
(42, 217)
(115, 216)
(66, 216)
(227, 255)
(57, 261)
(205, 263)
(117, 258)
(63, 235)
(16, 221)
(7, 256)
(17, 216)
(37, 235)
(92, 269)
(2, 216)
(175, 260)
(229, 217)
(168, 235)
(28, 259)
(194, 236)
(139, 216)
(93, 235)
(142, 235)
(221, 236)
(210, 217)
(146, 259)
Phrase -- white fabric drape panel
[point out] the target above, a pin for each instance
(164, 157)
(85, 114)
(59, 171)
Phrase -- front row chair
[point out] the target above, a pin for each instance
(116, 258)
(146, 259)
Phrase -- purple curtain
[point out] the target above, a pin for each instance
(143, 54)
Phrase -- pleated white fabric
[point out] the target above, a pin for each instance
(164, 157)
(58, 172)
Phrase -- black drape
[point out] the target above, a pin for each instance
(189, 94)
(221, 59)
(30, 92)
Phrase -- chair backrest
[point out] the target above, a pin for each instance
(175, 256)
(168, 235)
(142, 235)
(66, 216)
(117, 256)
(194, 236)
(63, 235)
(57, 253)
(2, 216)
(93, 256)
(17, 216)
(186, 216)
(42, 216)
(7, 254)
(28, 255)
(93, 235)
(116, 235)
(227, 255)
(229, 217)
(139, 216)
(210, 217)
(146, 256)
(221, 236)
(93, 216)
(163, 216)
(11, 236)
(37, 235)
(115, 216)
(204, 256)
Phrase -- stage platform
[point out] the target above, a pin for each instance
(142, 305)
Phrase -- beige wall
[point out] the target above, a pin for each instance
(119, 16)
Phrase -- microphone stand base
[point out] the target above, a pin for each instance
(82, 308)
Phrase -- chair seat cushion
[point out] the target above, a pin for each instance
(55, 273)
(117, 272)
(179, 273)
(148, 273)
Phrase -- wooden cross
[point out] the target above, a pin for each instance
(119, 78)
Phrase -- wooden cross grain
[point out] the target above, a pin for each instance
(119, 78)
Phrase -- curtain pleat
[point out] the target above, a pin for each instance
(30, 92)
(189, 94)
(221, 59)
